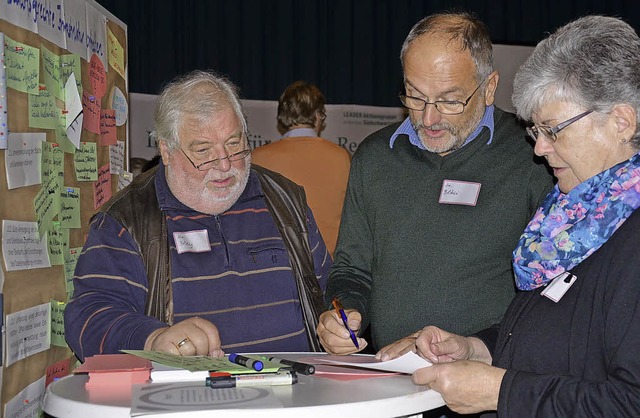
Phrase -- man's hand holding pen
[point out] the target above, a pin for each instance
(335, 337)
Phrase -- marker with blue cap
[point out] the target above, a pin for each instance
(246, 362)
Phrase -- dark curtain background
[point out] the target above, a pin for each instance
(349, 48)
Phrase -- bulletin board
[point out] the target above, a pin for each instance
(63, 142)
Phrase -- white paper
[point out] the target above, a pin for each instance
(72, 101)
(97, 35)
(22, 247)
(22, 159)
(407, 363)
(120, 105)
(28, 332)
(116, 157)
(74, 130)
(4, 119)
(124, 179)
(27, 403)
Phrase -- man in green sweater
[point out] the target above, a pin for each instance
(436, 204)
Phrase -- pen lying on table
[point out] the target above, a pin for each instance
(298, 367)
(265, 379)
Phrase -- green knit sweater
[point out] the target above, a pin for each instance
(405, 261)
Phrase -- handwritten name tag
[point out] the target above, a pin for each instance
(192, 241)
(559, 286)
(459, 192)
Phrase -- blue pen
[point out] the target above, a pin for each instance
(246, 362)
(338, 306)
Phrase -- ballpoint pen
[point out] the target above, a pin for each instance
(338, 307)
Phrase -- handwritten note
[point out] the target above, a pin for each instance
(116, 157)
(47, 204)
(97, 76)
(120, 105)
(70, 64)
(22, 159)
(61, 134)
(107, 127)
(4, 131)
(116, 53)
(70, 260)
(57, 323)
(72, 101)
(52, 162)
(43, 113)
(91, 109)
(57, 370)
(58, 238)
(22, 66)
(51, 67)
(69, 207)
(27, 332)
(102, 187)
(86, 162)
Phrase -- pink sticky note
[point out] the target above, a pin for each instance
(108, 127)
(102, 187)
(91, 109)
(97, 76)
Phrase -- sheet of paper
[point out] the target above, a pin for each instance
(69, 216)
(102, 187)
(160, 398)
(27, 403)
(47, 205)
(51, 66)
(124, 179)
(70, 259)
(57, 370)
(72, 101)
(56, 238)
(22, 159)
(43, 113)
(57, 323)
(107, 127)
(407, 363)
(27, 332)
(116, 53)
(86, 162)
(116, 157)
(4, 118)
(22, 66)
(120, 105)
(70, 64)
(91, 108)
(61, 135)
(97, 76)
(52, 163)
(22, 247)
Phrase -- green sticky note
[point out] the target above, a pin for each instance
(52, 164)
(46, 204)
(61, 134)
(70, 63)
(69, 207)
(51, 68)
(43, 113)
(70, 259)
(22, 66)
(86, 162)
(200, 363)
(56, 319)
(56, 239)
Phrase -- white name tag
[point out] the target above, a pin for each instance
(192, 241)
(459, 192)
(559, 286)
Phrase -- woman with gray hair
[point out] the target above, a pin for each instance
(567, 343)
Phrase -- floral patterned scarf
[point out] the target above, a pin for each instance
(568, 228)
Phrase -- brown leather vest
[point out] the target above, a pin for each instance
(136, 209)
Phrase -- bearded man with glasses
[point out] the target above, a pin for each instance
(435, 204)
(205, 252)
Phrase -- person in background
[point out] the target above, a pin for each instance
(317, 164)
(436, 203)
(202, 253)
(136, 165)
(567, 346)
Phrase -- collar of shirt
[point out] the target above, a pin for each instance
(300, 132)
(406, 128)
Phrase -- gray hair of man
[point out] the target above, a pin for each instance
(593, 62)
(198, 95)
(461, 26)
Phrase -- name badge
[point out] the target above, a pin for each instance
(192, 241)
(459, 192)
(559, 286)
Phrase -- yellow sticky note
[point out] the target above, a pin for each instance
(116, 53)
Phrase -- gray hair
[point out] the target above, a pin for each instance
(197, 94)
(593, 62)
(466, 28)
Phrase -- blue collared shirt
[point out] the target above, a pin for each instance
(406, 128)
(300, 132)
